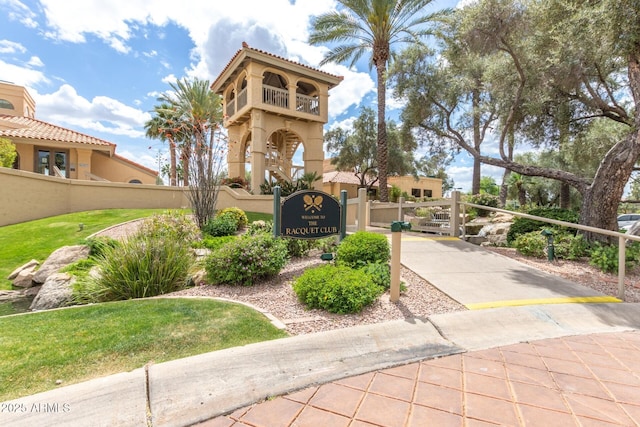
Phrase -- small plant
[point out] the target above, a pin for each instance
(237, 214)
(142, 266)
(214, 243)
(362, 248)
(337, 289)
(171, 225)
(98, 244)
(525, 225)
(394, 193)
(221, 225)
(531, 244)
(235, 182)
(260, 227)
(380, 273)
(247, 259)
(605, 257)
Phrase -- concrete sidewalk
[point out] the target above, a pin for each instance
(200, 388)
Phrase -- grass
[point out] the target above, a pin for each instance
(37, 239)
(81, 343)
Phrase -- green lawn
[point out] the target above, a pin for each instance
(22, 242)
(80, 343)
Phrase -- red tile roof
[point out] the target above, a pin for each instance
(246, 48)
(28, 128)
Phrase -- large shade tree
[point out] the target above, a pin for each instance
(163, 126)
(373, 26)
(575, 58)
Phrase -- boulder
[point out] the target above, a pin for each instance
(24, 279)
(495, 234)
(56, 292)
(28, 266)
(634, 230)
(60, 258)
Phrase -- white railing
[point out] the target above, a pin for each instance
(275, 96)
(307, 104)
(231, 107)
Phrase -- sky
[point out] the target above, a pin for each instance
(97, 66)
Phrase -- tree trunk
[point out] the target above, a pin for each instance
(504, 187)
(565, 195)
(475, 182)
(172, 164)
(382, 133)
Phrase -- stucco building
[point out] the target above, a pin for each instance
(56, 151)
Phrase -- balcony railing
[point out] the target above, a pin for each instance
(307, 104)
(276, 97)
(242, 98)
(231, 107)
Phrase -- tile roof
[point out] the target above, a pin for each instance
(246, 48)
(28, 128)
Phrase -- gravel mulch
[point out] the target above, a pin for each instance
(419, 300)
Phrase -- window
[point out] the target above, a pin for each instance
(135, 181)
(6, 104)
(415, 192)
(428, 193)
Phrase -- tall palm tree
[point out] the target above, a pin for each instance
(162, 126)
(373, 25)
(198, 111)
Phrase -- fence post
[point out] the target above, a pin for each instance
(362, 209)
(622, 258)
(276, 211)
(455, 214)
(343, 214)
(400, 214)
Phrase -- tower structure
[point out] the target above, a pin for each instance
(272, 106)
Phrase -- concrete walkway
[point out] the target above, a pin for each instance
(534, 350)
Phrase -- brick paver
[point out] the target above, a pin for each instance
(588, 380)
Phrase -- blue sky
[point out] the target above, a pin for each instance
(97, 66)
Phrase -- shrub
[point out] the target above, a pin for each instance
(259, 227)
(361, 248)
(247, 259)
(237, 214)
(337, 289)
(484, 199)
(300, 247)
(171, 225)
(531, 244)
(380, 273)
(98, 244)
(140, 267)
(605, 257)
(569, 246)
(221, 225)
(525, 225)
(215, 243)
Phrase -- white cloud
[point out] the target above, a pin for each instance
(20, 75)
(7, 46)
(34, 61)
(102, 114)
(18, 11)
(350, 91)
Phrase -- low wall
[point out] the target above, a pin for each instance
(25, 196)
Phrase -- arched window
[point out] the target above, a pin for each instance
(16, 162)
(135, 181)
(274, 90)
(6, 104)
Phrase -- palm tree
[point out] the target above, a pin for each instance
(162, 126)
(197, 110)
(373, 25)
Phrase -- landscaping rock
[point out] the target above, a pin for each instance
(635, 229)
(11, 295)
(28, 266)
(56, 292)
(24, 279)
(495, 233)
(60, 258)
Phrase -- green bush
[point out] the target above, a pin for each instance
(337, 289)
(247, 259)
(171, 225)
(221, 225)
(299, 247)
(361, 248)
(525, 225)
(569, 246)
(484, 199)
(380, 273)
(142, 266)
(260, 227)
(605, 257)
(214, 243)
(98, 244)
(239, 216)
(531, 244)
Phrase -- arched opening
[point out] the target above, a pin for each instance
(16, 162)
(135, 181)
(307, 100)
(6, 105)
(282, 156)
(274, 90)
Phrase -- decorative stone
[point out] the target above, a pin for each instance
(56, 292)
(24, 279)
(28, 266)
(60, 258)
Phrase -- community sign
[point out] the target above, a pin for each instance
(310, 214)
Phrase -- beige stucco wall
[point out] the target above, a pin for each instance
(406, 183)
(115, 170)
(25, 196)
